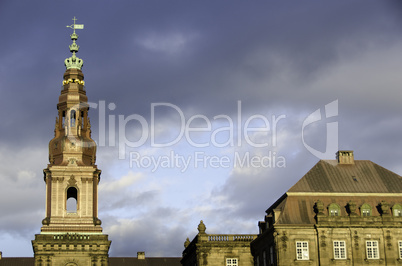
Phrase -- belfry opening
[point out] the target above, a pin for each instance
(72, 200)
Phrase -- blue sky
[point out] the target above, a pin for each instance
(192, 65)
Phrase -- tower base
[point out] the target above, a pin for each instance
(71, 249)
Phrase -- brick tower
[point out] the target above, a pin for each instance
(71, 233)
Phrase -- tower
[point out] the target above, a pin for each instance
(71, 233)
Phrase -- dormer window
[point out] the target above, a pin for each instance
(365, 210)
(397, 210)
(334, 209)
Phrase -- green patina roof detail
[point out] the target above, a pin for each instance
(74, 61)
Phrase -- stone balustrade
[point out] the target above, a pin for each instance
(223, 238)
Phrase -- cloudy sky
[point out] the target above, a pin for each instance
(201, 109)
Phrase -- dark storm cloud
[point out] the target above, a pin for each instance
(216, 66)
(153, 232)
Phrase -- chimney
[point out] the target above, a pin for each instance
(345, 157)
(141, 255)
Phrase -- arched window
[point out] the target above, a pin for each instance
(72, 118)
(82, 119)
(334, 209)
(64, 119)
(71, 203)
(397, 209)
(365, 210)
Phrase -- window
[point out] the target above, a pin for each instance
(397, 210)
(339, 250)
(400, 249)
(264, 258)
(271, 255)
(365, 210)
(372, 250)
(334, 213)
(231, 262)
(302, 250)
(334, 209)
(72, 118)
(71, 203)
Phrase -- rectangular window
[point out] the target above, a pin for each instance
(231, 262)
(302, 250)
(400, 249)
(372, 250)
(339, 250)
(366, 212)
(264, 257)
(334, 213)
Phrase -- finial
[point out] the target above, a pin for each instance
(201, 227)
(73, 61)
(187, 243)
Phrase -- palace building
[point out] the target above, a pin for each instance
(342, 212)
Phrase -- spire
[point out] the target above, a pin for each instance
(72, 143)
(72, 172)
(73, 61)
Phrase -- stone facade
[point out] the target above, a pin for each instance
(217, 250)
(71, 249)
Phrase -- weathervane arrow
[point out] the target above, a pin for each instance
(79, 26)
(76, 26)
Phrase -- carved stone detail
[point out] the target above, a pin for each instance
(72, 182)
(352, 208)
(284, 239)
(319, 208)
(384, 208)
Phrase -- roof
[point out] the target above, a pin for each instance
(300, 209)
(332, 182)
(361, 177)
(17, 261)
(113, 261)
